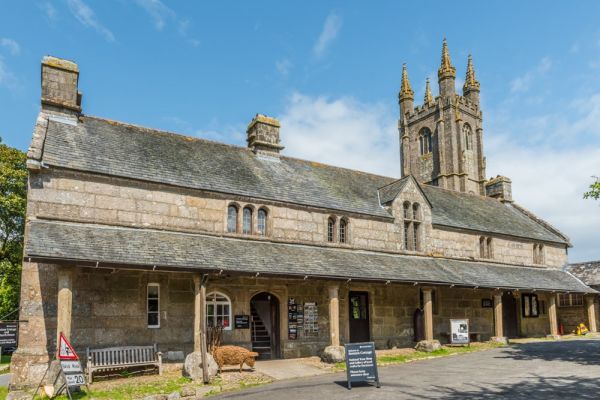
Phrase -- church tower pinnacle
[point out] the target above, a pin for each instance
(446, 73)
(428, 99)
(406, 95)
(471, 86)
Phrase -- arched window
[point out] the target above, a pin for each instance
(415, 208)
(485, 247)
(218, 310)
(247, 221)
(232, 215)
(330, 229)
(262, 222)
(407, 214)
(468, 134)
(425, 143)
(343, 235)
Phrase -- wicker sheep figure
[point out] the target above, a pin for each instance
(233, 355)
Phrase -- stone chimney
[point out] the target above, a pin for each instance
(500, 188)
(263, 136)
(59, 86)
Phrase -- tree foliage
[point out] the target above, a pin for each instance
(13, 192)
(594, 192)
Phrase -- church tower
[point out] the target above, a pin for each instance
(441, 141)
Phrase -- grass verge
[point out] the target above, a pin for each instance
(419, 355)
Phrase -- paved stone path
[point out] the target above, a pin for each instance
(287, 369)
(544, 370)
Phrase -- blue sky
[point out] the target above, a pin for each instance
(331, 72)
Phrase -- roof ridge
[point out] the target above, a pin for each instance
(391, 183)
(233, 146)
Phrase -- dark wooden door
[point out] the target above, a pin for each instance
(359, 317)
(509, 315)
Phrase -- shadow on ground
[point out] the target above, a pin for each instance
(583, 352)
(535, 387)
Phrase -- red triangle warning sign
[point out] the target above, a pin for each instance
(65, 351)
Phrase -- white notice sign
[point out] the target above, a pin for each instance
(75, 380)
(459, 331)
(71, 366)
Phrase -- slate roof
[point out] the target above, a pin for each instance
(102, 146)
(143, 247)
(588, 272)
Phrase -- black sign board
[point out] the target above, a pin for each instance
(242, 322)
(8, 334)
(361, 363)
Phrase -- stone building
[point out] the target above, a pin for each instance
(138, 236)
(571, 305)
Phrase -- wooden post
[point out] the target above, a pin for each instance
(499, 328)
(428, 313)
(334, 315)
(552, 316)
(591, 312)
(64, 303)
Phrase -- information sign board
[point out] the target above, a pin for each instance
(361, 363)
(459, 331)
(242, 321)
(8, 334)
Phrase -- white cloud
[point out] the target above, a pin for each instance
(341, 132)
(85, 15)
(11, 45)
(49, 10)
(523, 83)
(283, 66)
(551, 182)
(331, 28)
(159, 12)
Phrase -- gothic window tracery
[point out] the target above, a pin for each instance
(425, 142)
(468, 135)
(412, 226)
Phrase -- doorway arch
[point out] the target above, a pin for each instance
(264, 327)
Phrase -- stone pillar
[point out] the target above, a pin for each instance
(428, 313)
(591, 312)
(334, 316)
(200, 321)
(498, 322)
(552, 317)
(64, 302)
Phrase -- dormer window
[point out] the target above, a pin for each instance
(412, 226)
(425, 144)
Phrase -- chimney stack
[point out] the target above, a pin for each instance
(59, 87)
(263, 136)
(499, 188)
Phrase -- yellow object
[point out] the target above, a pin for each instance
(582, 329)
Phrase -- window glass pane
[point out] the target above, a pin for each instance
(342, 231)
(406, 234)
(534, 306)
(153, 292)
(330, 230)
(526, 306)
(210, 309)
(247, 221)
(415, 236)
(232, 219)
(153, 319)
(225, 321)
(152, 305)
(262, 222)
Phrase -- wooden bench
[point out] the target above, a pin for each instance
(114, 358)
(473, 336)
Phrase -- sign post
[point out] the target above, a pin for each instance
(459, 331)
(361, 363)
(70, 365)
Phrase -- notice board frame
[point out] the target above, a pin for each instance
(373, 365)
(468, 338)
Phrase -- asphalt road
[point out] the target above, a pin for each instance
(545, 370)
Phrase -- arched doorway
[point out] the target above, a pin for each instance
(264, 327)
(509, 315)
